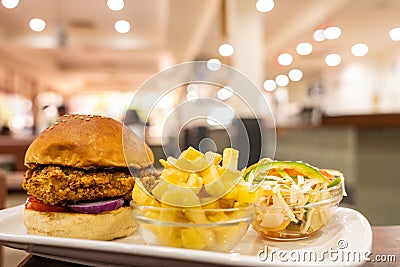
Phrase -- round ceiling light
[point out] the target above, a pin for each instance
(115, 5)
(192, 96)
(265, 5)
(359, 50)
(192, 87)
(10, 4)
(37, 24)
(304, 49)
(269, 85)
(333, 60)
(214, 64)
(295, 75)
(332, 33)
(395, 34)
(282, 80)
(225, 92)
(122, 26)
(226, 50)
(319, 35)
(285, 59)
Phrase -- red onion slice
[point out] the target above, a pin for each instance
(98, 206)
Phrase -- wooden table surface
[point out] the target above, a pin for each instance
(386, 244)
(386, 241)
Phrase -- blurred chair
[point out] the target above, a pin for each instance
(3, 196)
(247, 128)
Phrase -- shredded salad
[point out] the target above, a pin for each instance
(294, 199)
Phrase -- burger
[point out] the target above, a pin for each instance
(81, 172)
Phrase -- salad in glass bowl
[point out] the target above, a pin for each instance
(294, 199)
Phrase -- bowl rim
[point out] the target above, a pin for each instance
(244, 208)
(333, 199)
(157, 222)
(337, 187)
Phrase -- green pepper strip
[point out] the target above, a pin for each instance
(334, 182)
(300, 167)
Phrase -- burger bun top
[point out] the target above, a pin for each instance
(87, 141)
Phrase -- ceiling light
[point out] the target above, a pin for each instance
(282, 80)
(285, 59)
(295, 75)
(319, 35)
(333, 60)
(122, 26)
(304, 49)
(269, 85)
(225, 92)
(115, 5)
(192, 87)
(332, 33)
(51, 111)
(165, 102)
(37, 24)
(10, 4)
(265, 5)
(214, 64)
(225, 50)
(359, 50)
(395, 34)
(192, 96)
(221, 116)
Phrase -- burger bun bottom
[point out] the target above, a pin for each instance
(103, 226)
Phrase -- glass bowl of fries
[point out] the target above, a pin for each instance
(200, 202)
(193, 228)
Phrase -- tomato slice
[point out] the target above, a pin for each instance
(273, 172)
(32, 203)
(292, 172)
(327, 174)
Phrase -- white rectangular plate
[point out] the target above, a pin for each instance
(348, 233)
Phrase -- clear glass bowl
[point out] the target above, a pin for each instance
(273, 222)
(193, 228)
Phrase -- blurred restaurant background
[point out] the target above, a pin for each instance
(330, 71)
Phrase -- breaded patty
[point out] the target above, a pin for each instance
(57, 185)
